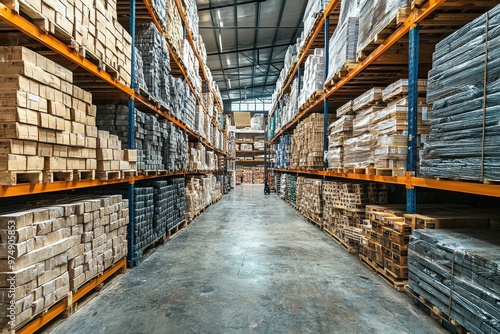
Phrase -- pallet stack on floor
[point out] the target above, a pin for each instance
(201, 191)
(309, 194)
(51, 250)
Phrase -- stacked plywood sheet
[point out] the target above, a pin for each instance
(50, 251)
(458, 273)
(464, 92)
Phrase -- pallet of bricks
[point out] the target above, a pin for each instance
(48, 126)
(307, 144)
(309, 199)
(345, 207)
(50, 251)
(91, 28)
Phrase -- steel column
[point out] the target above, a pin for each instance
(325, 101)
(413, 58)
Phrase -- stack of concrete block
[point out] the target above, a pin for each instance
(183, 102)
(47, 123)
(156, 59)
(53, 249)
(144, 233)
(114, 118)
(140, 81)
(309, 198)
(176, 148)
(314, 77)
(160, 9)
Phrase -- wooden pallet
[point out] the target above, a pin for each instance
(348, 248)
(108, 175)
(19, 6)
(80, 175)
(342, 73)
(370, 170)
(92, 57)
(128, 173)
(397, 283)
(452, 325)
(176, 229)
(390, 172)
(148, 250)
(16, 177)
(57, 175)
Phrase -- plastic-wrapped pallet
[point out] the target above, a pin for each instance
(457, 271)
(465, 108)
(314, 76)
(376, 15)
(54, 248)
(313, 9)
(344, 40)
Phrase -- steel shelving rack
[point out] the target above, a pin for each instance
(416, 28)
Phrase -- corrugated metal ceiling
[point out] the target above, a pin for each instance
(246, 42)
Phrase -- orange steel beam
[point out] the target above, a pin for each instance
(458, 186)
(330, 7)
(62, 49)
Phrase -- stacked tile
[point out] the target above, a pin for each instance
(343, 41)
(51, 250)
(391, 125)
(314, 76)
(46, 123)
(339, 132)
(375, 15)
(309, 195)
(458, 272)
(344, 208)
(358, 150)
(156, 59)
(464, 120)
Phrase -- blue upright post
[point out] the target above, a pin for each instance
(325, 102)
(413, 58)
(131, 143)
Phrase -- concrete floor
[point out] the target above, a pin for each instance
(250, 264)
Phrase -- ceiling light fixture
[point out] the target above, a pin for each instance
(220, 40)
(229, 83)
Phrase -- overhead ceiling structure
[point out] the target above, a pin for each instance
(246, 43)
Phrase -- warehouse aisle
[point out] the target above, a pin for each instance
(250, 264)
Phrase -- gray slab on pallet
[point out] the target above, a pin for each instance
(250, 264)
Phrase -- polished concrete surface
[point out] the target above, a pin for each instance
(250, 264)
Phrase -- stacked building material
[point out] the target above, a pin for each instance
(192, 66)
(314, 77)
(144, 234)
(314, 9)
(200, 192)
(377, 15)
(339, 131)
(175, 33)
(343, 42)
(288, 189)
(282, 152)
(175, 157)
(111, 159)
(309, 195)
(307, 143)
(114, 118)
(345, 205)
(156, 59)
(140, 81)
(358, 150)
(54, 248)
(197, 157)
(464, 120)
(457, 271)
(160, 10)
(47, 124)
